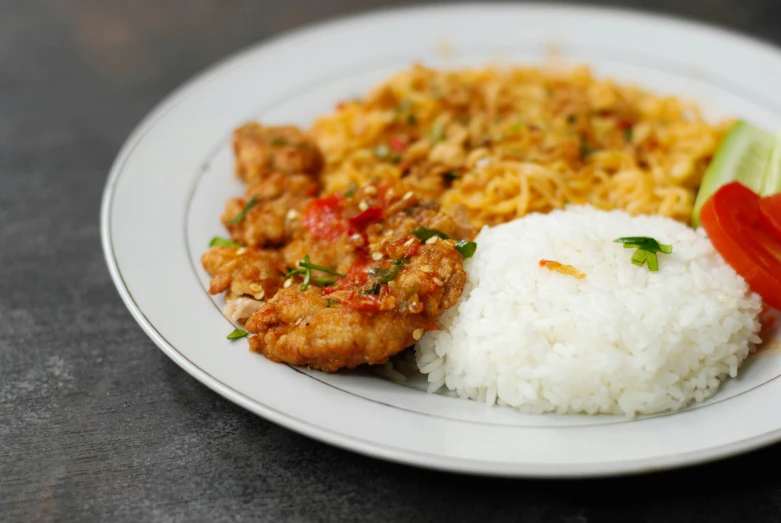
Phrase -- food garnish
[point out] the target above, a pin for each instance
(747, 155)
(244, 211)
(734, 221)
(223, 242)
(467, 249)
(236, 334)
(308, 267)
(770, 207)
(646, 250)
(555, 266)
(386, 275)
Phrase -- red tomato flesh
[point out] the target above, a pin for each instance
(733, 220)
(771, 213)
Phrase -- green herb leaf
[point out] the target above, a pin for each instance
(223, 242)
(330, 302)
(237, 333)
(424, 233)
(294, 272)
(244, 211)
(467, 249)
(653, 262)
(374, 290)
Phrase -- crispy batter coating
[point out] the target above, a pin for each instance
(344, 329)
(243, 271)
(275, 218)
(261, 151)
(378, 287)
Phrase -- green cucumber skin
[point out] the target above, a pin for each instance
(772, 176)
(742, 156)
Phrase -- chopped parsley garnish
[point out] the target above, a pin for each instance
(424, 233)
(467, 249)
(244, 211)
(237, 333)
(386, 275)
(646, 250)
(223, 242)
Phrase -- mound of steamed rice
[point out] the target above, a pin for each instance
(621, 340)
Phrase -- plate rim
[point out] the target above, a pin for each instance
(347, 441)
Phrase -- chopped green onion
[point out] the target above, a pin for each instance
(330, 302)
(386, 275)
(639, 257)
(311, 266)
(374, 290)
(467, 249)
(307, 275)
(351, 190)
(237, 333)
(244, 211)
(646, 250)
(323, 282)
(424, 233)
(294, 272)
(223, 242)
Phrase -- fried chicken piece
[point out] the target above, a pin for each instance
(275, 218)
(261, 151)
(377, 311)
(243, 272)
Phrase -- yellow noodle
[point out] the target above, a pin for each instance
(521, 140)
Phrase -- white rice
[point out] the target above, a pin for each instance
(621, 340)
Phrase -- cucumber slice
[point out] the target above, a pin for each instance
(743, 156)
(772, 178)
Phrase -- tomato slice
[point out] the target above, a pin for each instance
(733, 220)
(771, 213)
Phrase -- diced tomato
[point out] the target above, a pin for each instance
(366, 218)
(323, 218)
(733, 220)
(357, 277)
(397, 144)
(771, 213)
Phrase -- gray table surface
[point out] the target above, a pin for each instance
(97, 424)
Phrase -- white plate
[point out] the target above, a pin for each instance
(169, 183)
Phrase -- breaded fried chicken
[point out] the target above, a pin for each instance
(262, 151)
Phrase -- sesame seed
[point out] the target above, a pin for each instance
(417, 334)
(241, 251)
(433, 239)
(482, 162)
(292, 214)
(363, 205)
(377, 256)
(261, 294)
(299, 320)
(427, 268)
(413, 307)
(256, 287)
(287, 283)
(409, 242)
(438, 281)
(370, 190)
(408, 195)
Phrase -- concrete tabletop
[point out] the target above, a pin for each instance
(97, 424)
